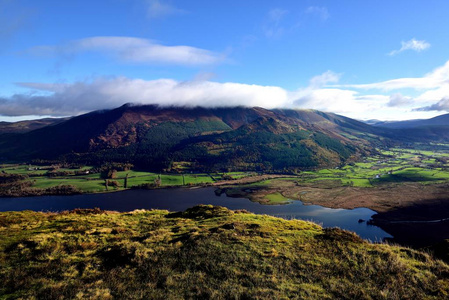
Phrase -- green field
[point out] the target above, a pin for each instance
(393, 165)
(39, 177)
(277, 198)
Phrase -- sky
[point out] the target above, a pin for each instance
(385, 60)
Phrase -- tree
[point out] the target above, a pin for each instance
(158, 181)
(126, 181)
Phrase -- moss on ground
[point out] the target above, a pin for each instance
(204, 252)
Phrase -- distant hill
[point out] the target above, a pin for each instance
(29, 125)
(442, 120)
(207, 139)
(434, 129)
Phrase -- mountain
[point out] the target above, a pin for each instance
(29, 125)
(422, 130)
(205, 139)
(442, 120)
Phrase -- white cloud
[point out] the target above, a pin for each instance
(277, 14)
(134, 50)
(323, 79)
(434, 79)
(346, 102)
(434, 94)
(399, 100)
(321, 12)
(442, 105)
(159, 9)
(81, 97)
(273, 27)
(413, 44)
(433, 90)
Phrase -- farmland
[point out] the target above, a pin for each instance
(88, 181)
(389, 167)
(379, 182)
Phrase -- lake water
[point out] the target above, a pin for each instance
(181, 199)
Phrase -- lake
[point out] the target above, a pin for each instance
(180, 199)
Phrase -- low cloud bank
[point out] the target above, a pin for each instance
(442, 105)
(322, 93)
(73, 99)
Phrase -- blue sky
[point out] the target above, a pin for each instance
(364, 59)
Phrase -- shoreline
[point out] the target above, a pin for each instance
(416, 215)
(241, 181)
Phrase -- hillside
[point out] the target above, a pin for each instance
(205, 252)
(208, 139)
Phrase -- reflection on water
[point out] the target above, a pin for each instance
(181, 199)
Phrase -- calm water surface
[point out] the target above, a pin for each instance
(181, 199)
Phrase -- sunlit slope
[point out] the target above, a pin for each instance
(204, 252)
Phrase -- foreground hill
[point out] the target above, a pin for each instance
(207, 139)
(205, 252)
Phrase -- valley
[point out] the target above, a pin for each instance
(168, 149)
(293, 164)
(400, 184)
(405, 174)
(275, 158)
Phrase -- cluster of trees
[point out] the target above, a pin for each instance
(6, 178)
(16, 185)
(257, 147)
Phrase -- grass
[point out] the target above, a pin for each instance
(277, 198)
(405, 165)
(93, 183)
(88, 186)
(205, 252)
(359, 182)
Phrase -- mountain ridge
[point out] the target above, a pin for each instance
(210, 138)
(441, 120)
(236, 138)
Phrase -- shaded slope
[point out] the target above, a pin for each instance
(435, 129)
(49, 142)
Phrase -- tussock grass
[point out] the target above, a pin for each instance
(205, 252)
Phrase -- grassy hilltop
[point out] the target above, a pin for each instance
(204, 252)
